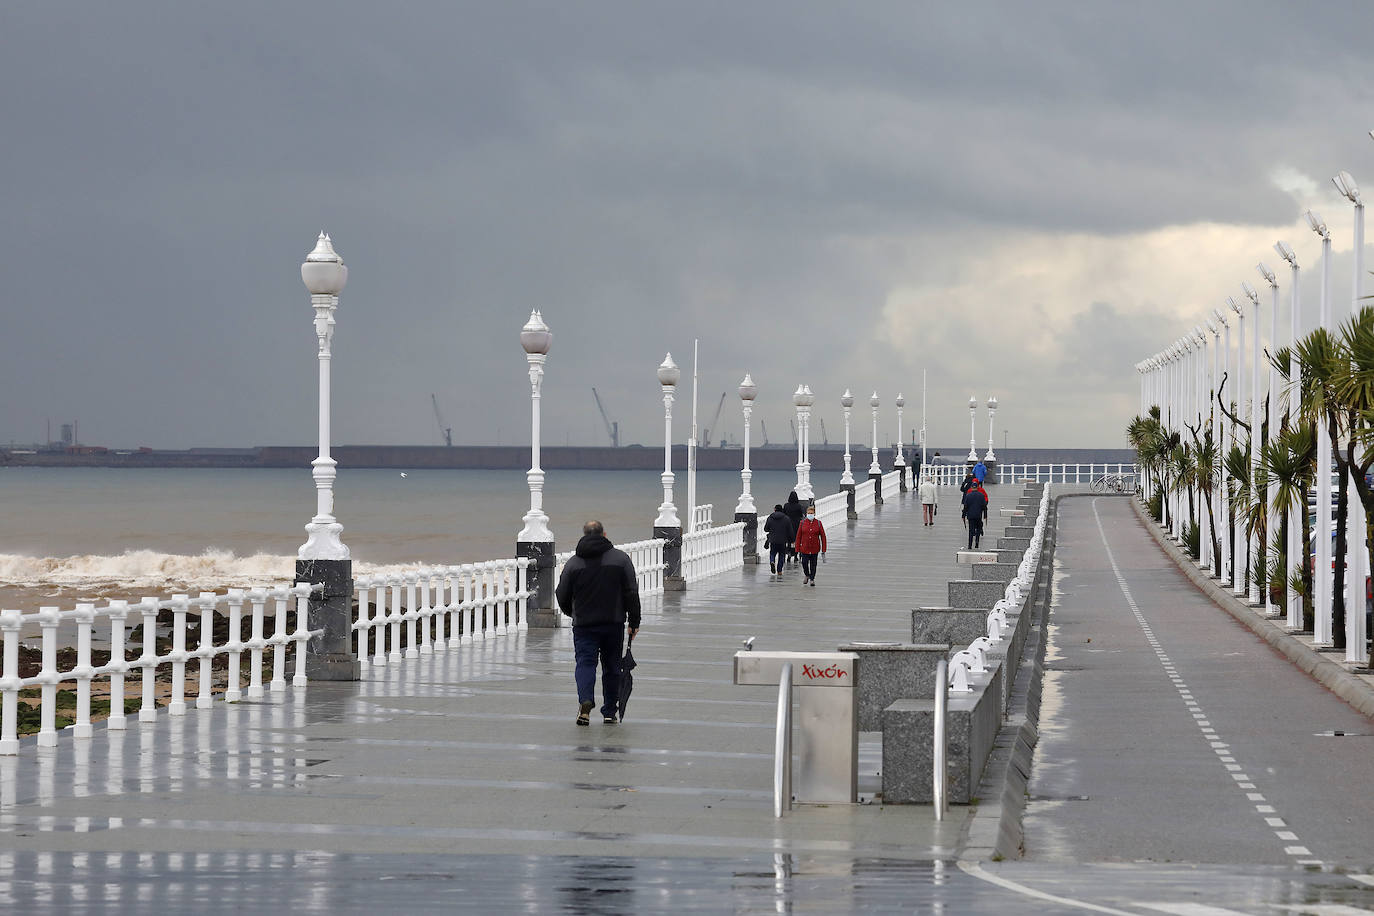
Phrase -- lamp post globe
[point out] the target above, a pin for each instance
(536, 339)
(847, 405)
(324, 276)
(668, 376)
(747, 392)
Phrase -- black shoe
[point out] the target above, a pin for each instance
(582, 712)
(610, 720)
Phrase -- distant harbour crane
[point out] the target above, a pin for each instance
(763, 427)
(612, 428)
(445, 430)
(706, 430)
(825, 438)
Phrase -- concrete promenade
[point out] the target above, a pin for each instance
(459, 781)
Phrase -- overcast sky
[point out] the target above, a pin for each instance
(1024, 199)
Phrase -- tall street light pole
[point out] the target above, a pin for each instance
(1356, 547)
(323, 559)
(1242, 554)
(798, 401)
(667, 525)
(847, 478)
(972, 434)
(808, 399)
(1293, 545)
(1321, 629)
(1225, 384)
(1273, 521)
(1257, 578)
(744, 510)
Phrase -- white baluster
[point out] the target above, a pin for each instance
(10, 624)
(279, 640)
(147, 711)
(488, 609)
(232, 693)
(301, 638)
(176, 706)
(118, 612)
(426, 611)
(379, 647)
(206, 650)
(258, 598)
(364, 626)
(83, 672)
(395, 617)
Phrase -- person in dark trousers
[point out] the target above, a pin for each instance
(975, 513)
(600, 592)
(794, 511)
(810, 543)
(980, 470)
(778, 527)
(968, 481)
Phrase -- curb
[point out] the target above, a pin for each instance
(1330, 674)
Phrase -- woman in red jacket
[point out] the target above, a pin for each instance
(810, 542)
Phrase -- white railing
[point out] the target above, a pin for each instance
(647, 557)
(833, 509)
(944, 475)
(701, 517)
(864, 499)
(442, 607)
(1065, 473)
(892, 484)
(712, 551)
(50, 621)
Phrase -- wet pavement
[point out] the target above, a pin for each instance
(459, 781)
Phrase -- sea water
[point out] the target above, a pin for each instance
(72, 533)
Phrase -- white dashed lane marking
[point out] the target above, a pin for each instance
(1222, 749)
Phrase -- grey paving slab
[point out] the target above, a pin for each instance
(1170, 732)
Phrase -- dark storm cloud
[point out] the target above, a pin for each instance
(760, 175)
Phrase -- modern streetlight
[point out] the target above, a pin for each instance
(1224, 438)
(747, 392)
(1293, 546)
(323, 559)
(972, 444)
(992, 412)
(1257, 578)
(668, 376)
(1356, 547)
(1321, 629)
(1271, 490)
(808, 399)
(847, 403)
(1241, 550)
(875, 468)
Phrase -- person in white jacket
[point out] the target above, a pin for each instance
(930, 498)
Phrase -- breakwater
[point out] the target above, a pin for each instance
(497, 457)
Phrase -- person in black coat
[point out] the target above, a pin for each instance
(794, 510)
(781, 534)
(600, 592)
(975, 512)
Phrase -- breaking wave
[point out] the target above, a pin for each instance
(211, 569)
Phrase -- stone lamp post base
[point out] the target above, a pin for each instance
(329, 656)
(541, 608)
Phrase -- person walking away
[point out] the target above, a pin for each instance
(968, 481)
(810, 543)
(930, 498)
(600, 592)
(795, 510)
(980, 470)
(780, 533)
(975, 511)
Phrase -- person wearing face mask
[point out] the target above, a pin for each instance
(810, 544)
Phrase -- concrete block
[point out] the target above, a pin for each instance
(889, 672)
(995, 572)
(971, 593)
(1010, 556)
(956, 627)
(1020, 531)
(1013, 543)
(971, 724)
(970, 557)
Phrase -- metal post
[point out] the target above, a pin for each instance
(745, 510)
(782, 745)
(938, 791)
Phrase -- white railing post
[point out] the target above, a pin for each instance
(147, 710)
(232, 692)
(396, 655)
(10, 622)
(279, 640)
(84, 673)
(205, 650)
(176, 706)
(119, 610)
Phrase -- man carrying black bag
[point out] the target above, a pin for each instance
(600, 592)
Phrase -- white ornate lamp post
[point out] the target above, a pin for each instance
(899, 462)
(535, 540)
(847, 403)
(1357, 567)
(1321, 629)
(875, 470)
(667, 525)
(972, 434)
(991, 455)
(798, 399)
(323, 559)
(808, 399)
(847, 478)
(744, 509)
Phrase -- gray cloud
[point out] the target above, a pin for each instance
(762, 177)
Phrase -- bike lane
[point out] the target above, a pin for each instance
(1170, 733)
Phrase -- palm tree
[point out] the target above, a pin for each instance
(1288, 459)
(1205, 461)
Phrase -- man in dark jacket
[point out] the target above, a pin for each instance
(780, 531)
(975, 511)
(600, 592)
(794, 511)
